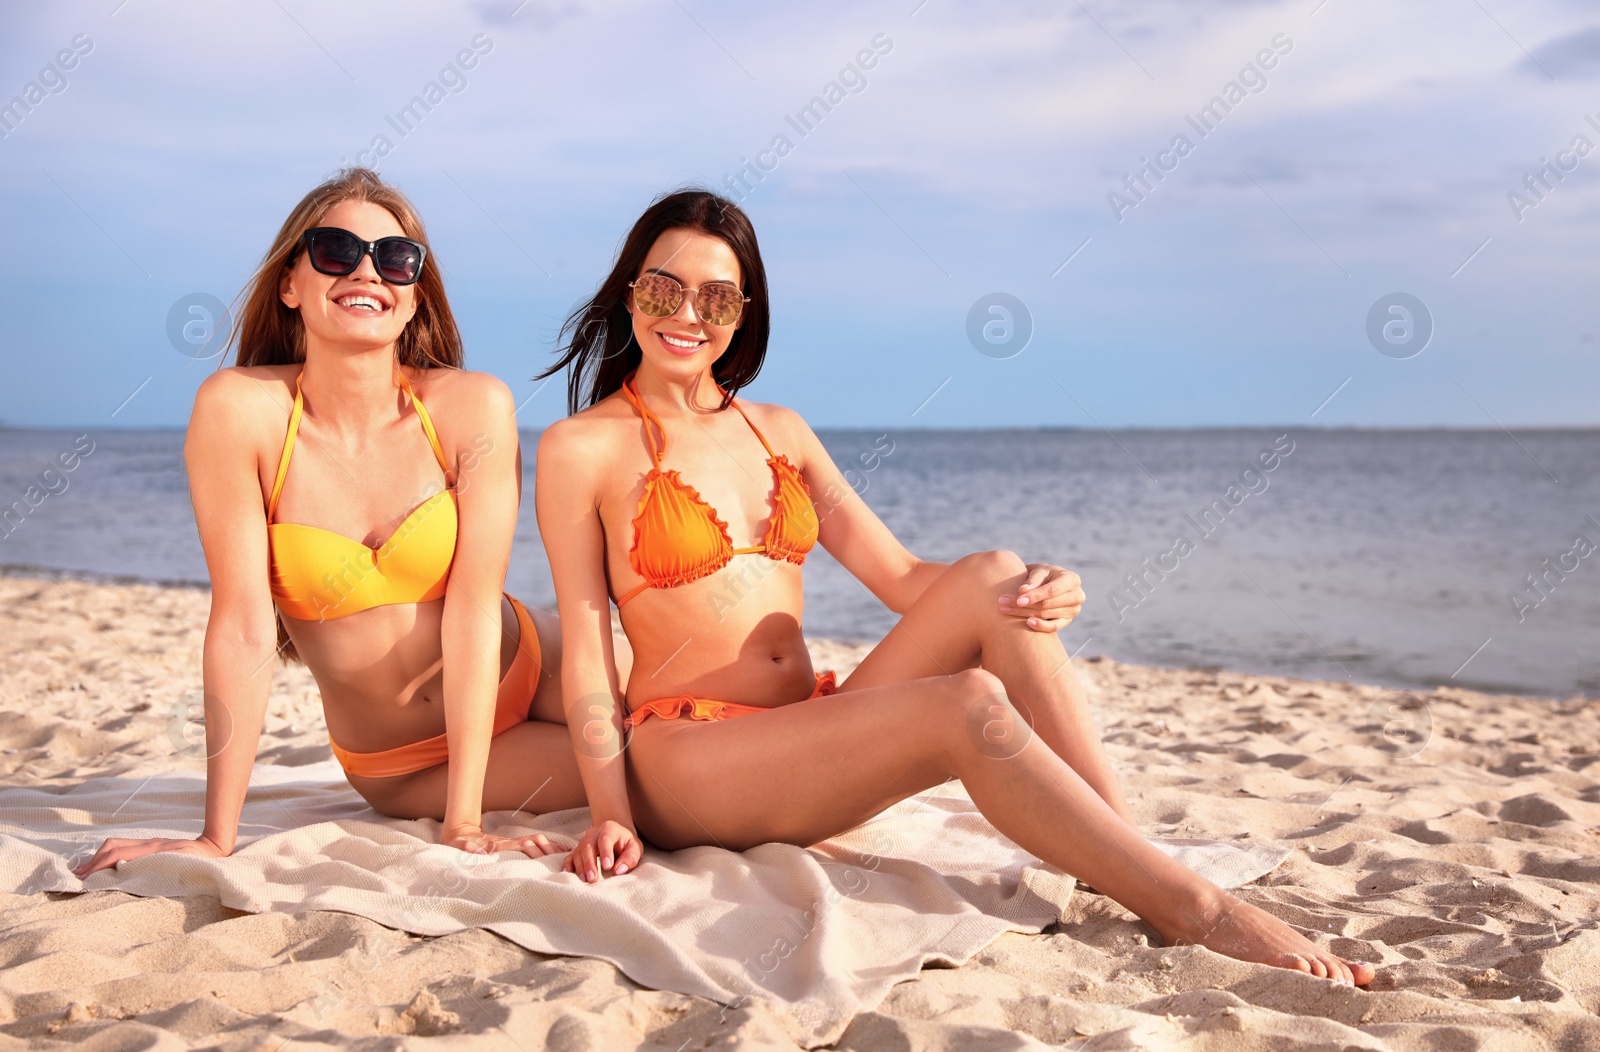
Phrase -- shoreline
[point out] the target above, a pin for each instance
(35, 572)
(1451, 836)
(49, 575)
(1132, 429)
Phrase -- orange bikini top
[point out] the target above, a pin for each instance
(678, 538)
(319, 575)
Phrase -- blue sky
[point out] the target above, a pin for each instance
(977, 156)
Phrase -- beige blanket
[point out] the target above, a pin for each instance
(824, 931)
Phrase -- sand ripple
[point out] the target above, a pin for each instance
(1449, 836)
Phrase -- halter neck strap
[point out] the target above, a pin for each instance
(652, 423)
(427, 425)
(288, 447)
(294, 429)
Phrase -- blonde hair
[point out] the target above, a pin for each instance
(270, 333)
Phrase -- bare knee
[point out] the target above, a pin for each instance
(992, 568)
(974, 695)
(984, 577)
(976, 684)
(988, 575)
(979, 719)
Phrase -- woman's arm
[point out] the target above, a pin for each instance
(488, 490)
(571, 457)
(852, 533)
(241, 633)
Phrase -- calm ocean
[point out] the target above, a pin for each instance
(1404, 558)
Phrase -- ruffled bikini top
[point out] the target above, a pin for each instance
(678, 537)
(319, 575)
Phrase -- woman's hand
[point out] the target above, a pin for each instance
(117, 850)
(1049, 599)
(474, 841)
(604, 844)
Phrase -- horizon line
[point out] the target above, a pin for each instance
(1419, 428)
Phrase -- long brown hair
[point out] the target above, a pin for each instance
(270, 333)
(598, 337)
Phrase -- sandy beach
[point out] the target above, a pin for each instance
(1449, 836)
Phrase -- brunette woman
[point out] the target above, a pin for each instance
(694, 510)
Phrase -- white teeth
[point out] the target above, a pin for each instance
(682, 343)
(366, 302)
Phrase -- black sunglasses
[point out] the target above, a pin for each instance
(337, 252)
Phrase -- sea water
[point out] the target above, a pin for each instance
(1404, 558)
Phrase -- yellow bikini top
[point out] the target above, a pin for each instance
(319, 575)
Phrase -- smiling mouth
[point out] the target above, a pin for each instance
(679, 343)
(361, 303)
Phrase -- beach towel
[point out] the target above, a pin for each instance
(823, 932)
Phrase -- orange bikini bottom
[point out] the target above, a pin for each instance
(708, 709)
(517, 688)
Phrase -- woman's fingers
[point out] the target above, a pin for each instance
(1048, 591)
(84, 868)
(1056, 608)
(608, 841)
(541, 843)
(586, 858)
(110, 853)
(619, 851)
(1040, 582)
(630, 857)
(1060, 606)
(101, 859)
(536, 846)
(605, 847)
(1062, 587)
(1051, 606)
(591, 869)
(1038, 574)
(116, 850)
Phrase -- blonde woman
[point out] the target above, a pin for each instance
(356, 493)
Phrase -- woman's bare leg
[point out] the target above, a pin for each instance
(810, 770)
(956, 624)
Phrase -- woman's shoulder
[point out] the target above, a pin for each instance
(247, 392)
(242, 408)
(594, 431)
(462, 390)
(778, 422)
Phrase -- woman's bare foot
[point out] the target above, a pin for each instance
(1234, 928)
